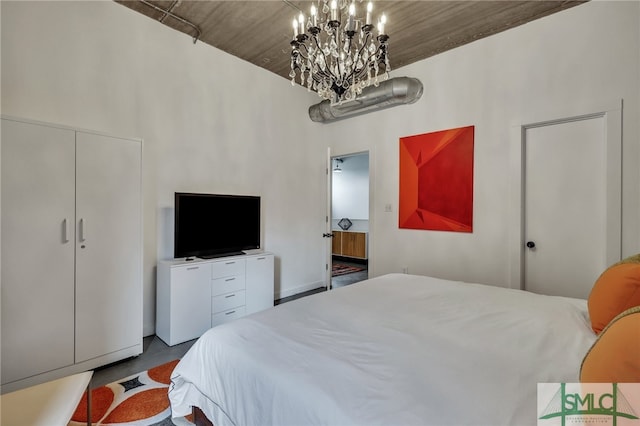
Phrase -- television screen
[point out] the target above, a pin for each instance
(211, 225)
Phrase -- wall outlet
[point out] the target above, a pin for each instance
(405, 269)
(388, 208)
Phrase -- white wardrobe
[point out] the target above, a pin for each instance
(71, 251)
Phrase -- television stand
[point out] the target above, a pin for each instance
(195, 295)
(217, 255)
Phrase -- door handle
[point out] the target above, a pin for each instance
(65, 231)
(82, 231)
(531, 244)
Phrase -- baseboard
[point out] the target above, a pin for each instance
(90, 364)
(300, 289)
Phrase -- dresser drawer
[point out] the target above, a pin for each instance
(225, 302)
(227, 268)
(222, 317)
(227, 285)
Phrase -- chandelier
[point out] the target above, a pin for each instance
(334, 51)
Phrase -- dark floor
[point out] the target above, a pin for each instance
(336, 282)
(343, 280)
(156, 352)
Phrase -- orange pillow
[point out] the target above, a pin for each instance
(617, 290)
(631, 259)
(615, 356)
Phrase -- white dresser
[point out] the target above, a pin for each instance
(193, 296)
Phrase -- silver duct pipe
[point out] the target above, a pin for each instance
(389, 93)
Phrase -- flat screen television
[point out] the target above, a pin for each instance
(213, 225)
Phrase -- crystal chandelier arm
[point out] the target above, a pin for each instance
(383, 59)
(341, 69)
(338, 48)
(301, 53)
(321, 75)
(321, 71)
(381, 54)
(358, 73)
(295, 54)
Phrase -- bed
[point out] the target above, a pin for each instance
(393, 350)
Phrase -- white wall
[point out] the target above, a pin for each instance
(570, 60)
(350, 191)
(210, 122)
(213, 123)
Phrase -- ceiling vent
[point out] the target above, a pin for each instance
(389, 93)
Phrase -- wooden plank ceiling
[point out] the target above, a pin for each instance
(259, 31)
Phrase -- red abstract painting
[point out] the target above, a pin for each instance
(436, 180)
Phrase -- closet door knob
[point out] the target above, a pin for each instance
(531, 244)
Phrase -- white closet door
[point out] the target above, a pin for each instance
(38, 174)
(108, 245)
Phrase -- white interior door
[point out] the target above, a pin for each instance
(349, 193)
(38, 191)
(109, 245)
(328, 233)
(567, 216)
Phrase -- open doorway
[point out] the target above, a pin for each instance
(349, 219)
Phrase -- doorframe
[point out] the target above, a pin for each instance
(331, 155)
(612, 113)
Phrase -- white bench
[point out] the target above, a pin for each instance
(48, 404)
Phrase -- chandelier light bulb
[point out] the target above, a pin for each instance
(295, 28)
(334, 10)
(314, 15)
(383, 20)
(301, 22)
(351, 24)
(369, 10)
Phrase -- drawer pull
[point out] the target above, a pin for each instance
(230, 279)
(230, 312)
(192, 268)
(229, 263)
(261, 258)
(231, 295)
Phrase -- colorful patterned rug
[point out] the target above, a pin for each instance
(140, 399)
(342, 269)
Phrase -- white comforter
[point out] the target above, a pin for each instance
(394, 350)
